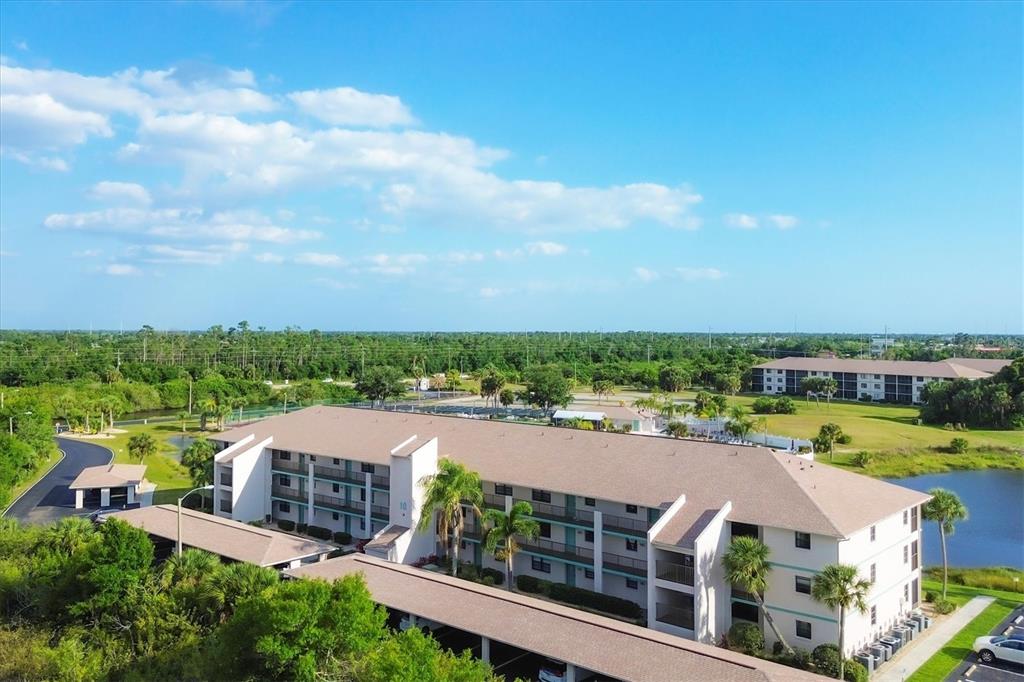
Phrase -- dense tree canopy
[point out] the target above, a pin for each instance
(994, 402)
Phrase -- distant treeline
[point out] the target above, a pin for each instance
(994, 402)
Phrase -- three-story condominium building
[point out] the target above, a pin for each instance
(645, 518)
(892, 381)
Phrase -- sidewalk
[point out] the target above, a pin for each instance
(927, 644)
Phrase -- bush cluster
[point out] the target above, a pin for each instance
(343, 538)
(958, 446)
(766, 405)
(286, 525)
(579, 597)
(944, 606)
(319, 532)
(747, 637)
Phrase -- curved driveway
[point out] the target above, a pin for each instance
(50, 499)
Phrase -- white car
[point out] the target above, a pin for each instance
(999, 648)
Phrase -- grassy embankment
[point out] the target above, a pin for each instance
(900, 447)
(949, 657)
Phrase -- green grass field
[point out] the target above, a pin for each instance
(950, 656)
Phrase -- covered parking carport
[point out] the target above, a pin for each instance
(112, 486)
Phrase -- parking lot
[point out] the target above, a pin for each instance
(973, 670)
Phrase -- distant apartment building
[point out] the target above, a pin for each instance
(892, 381)
(644, 518)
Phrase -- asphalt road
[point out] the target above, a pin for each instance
(973, 670)
(49, 499)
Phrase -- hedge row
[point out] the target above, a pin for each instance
(579, 597)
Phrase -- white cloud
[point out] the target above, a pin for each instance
(350, 107)
(503, 254)
(695, 274)
(784, 222)
(268, 258)
(335, 284)
(395, 264)
(459, 257)
(121, 270)
(38, 121)
(180, 223)
(743, 221)
(645, 274)
(546, 248)
(162, 253)
(320, 260)
(491, 292)
(120, 191)
(87, 253)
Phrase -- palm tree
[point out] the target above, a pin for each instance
(243, 580)
(183, 417)
(746, 565)
(829, 434)
(70, 534)
(500, 539)
(192, 578)
(839, 586)
(945, 509)
(761, 424)
(446, 492)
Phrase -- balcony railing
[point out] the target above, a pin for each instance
(553, 512)
(354, 477)
(617, 562)
(286, 465)
(289, 493)
(681, 617)
(339, 504)
(494, 501)
(380, 513)
(738, 593)
(558, 550)
(624, 524)
(673, 572)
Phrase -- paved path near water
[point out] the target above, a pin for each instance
(928, 643)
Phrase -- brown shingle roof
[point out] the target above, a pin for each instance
(610, 647)
(953, 368)
(651, 471)
(227, 538)
(109, 476)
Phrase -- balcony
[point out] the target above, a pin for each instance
(339, 504)
(673, 572)
(294, 494)
(552, 512)
(353, 477)
(494, 501)
(624, 524)
(225, 480)
(380, 513)
(678, 616)
(625, 564)
(558, 550)
(739, 593)
(286, 465)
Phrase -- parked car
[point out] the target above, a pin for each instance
(999, 648)
(421, 623)
(552, 671)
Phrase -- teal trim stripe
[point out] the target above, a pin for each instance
(795, 613)
(338, 511)
(794, 568)
(547, 557)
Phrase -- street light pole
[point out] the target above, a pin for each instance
(180, 500)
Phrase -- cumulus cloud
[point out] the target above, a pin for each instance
(695, 274)
(120, 191)
(121, 270)
(320, 260)
(743, 221)
(38, 121)
(395, 264)
(645, 274)
(268, 258)
(546, 248)
(784, 222)
(459, 257)
(491, 292)
(335, 284)
(350, 107)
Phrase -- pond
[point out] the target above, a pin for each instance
(993, 535)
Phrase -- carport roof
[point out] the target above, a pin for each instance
(224, 537)
(596, 643)
(109, 476)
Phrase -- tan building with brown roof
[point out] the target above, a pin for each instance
(642, 518)
(112, 485)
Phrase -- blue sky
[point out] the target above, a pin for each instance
(823, 167)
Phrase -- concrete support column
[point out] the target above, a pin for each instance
(79, 499)
(598, 552)
(105, 497)
(216, 488)
(508, 504)
(570, 672)
(131, 494)
(485, 649)
(309, 490)
(369, 503)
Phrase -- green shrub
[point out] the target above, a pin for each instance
(763, 405)
(855, 671)
(929, 596)
(496, 577)
(594, 600)
(785, 405)
(319, 532)
(487, 580)
(863, 459)
(301, 527)
(528, 583)
(943, 606)
(747, 637)
(826, 659)
(844, 439)
(285, 524)
(343, 538)
(958, 446)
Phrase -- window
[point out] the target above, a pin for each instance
(906, 592)
(335, 516)
(362, 494)
(803, 629)
(284, 507)
(632, 584)
(540, 565)
(588, 573)
(920, 378)
(335, 487)
(588, 536)
(906, 516)
(540, 496)
(502, 489)
(284, 455)
(863, 385)
(803, 584)
(874, 615)
(362, 524)
(545, 530)
(913, 555)
(803, 540)
(872, 533)
(906, 554)
(589, 502)
(367, 468)
(873, 573)
(312, 458)
(913, 519)
(225, 505)
(632, 545)
(286, 481)
(337, 462)
(631, 509)
(878, 387)
(878, 376)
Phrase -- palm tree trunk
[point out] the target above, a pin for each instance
(508, 568)
(842, 642)
(945, 563)
(457, 541)
(771, 623)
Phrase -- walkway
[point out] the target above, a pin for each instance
(49, 499)
(926, 645)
